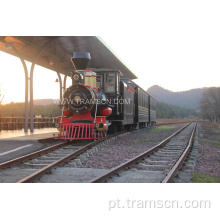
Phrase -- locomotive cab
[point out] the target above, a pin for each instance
(108, 81)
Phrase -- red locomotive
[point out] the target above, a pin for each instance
(85, 106)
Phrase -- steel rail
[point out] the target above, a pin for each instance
(170, 123)
(181, 160)
(36, 175)
(131, 162)
(36, 154)
(31, 156)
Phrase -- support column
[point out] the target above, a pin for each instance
(60, 82)
(61, 91)
(31, 84)
(31, 98)
(26, 96)
(26, 90)
(66, 74)
(64, 82)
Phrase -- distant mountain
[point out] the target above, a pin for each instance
(188, 99)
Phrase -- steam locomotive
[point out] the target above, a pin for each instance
(101, 101)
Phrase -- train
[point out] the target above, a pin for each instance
(100, 102)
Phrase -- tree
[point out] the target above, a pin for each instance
(165, 110)
(210, 104)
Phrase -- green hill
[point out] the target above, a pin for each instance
(187, 99)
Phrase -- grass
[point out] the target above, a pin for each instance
(216, 143)
(204, 178)
(213, 140)
(162, 128)
(216, 131)
(171, 120)
(211, 134)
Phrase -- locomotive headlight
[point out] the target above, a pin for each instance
(100, 127)
(76, 77)
(77, 99)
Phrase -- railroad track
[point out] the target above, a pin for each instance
(31, 167)
(48, 140)
(159, 164)
(171, 123)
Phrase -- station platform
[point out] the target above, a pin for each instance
(20, 135)
(17, 143)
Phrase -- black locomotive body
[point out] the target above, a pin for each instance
(101, 101)
(132, 107)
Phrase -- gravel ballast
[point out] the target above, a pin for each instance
(122, 149)
(208, 161)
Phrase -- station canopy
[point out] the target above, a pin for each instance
(57, 52)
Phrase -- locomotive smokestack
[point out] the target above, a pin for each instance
(81, 60)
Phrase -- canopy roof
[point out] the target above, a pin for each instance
(57, 52)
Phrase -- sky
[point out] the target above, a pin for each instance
(173, 44)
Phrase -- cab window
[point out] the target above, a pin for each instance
(110, 82)
(99, 81)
